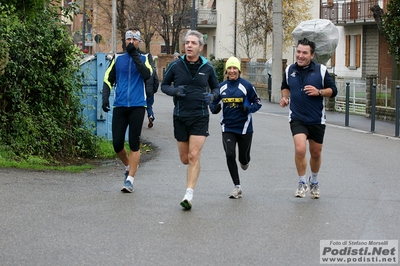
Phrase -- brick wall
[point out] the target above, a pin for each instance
(385, 60)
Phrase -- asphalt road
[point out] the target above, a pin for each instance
(56, 218)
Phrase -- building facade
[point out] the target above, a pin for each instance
(362, 50)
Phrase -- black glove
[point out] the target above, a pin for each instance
(217, 108)
(105, 96)
(131, 49)
(243, 108)
(106, 105)
(208, 97)
(180, 91)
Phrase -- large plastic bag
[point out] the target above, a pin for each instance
(323, 33)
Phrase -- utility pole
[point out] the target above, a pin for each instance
(193, 21)
(114, 26)
(277, 51)
(84, 25)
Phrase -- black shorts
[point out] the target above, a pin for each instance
(184, 126)
(314, 132)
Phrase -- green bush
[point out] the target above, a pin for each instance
(40, 110)
(219, 67)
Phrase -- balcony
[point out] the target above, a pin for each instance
(206, 18)
(350, 11)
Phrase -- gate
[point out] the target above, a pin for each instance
(93, 68)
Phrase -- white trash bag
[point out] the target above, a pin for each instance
(323, 33)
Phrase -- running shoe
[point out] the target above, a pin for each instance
(186, 203)
(314, 190)
(244, 166)
(128, 187)
(301, 190)
(236, 193)
(151, 120)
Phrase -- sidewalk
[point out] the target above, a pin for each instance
(356, 122)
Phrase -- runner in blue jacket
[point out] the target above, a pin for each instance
(306, 83)
(239, 100)
(127, 72)
(187, 79)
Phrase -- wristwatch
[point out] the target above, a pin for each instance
(320, 92)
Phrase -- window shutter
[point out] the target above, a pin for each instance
(347, 58)
(358, 50)
(333, 58)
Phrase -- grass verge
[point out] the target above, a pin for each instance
(8, 159)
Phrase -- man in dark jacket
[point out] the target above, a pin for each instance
(191, 75)
(307, 82)
(151, 87)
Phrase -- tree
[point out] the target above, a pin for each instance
(390, 27)
(121, 21)
(142, 16)
(252, 29)
(175, 16)
(294, 12)
(258, 24)
(26, 8)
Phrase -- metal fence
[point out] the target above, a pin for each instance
(357, 104)
(257, 72)
(358, 94)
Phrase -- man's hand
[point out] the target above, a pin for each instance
(106, 105)
(311, 90)
(284, 102)
(217, 108)
(208, 97)
(180, 91)
(131, 49)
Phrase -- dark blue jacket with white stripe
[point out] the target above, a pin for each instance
(310, 110)
(232, 94)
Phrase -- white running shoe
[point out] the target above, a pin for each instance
(236, 193)
(301, 190)
(186, 203)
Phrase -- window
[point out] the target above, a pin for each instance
(353, 50)
(164, 49)
(331, 62)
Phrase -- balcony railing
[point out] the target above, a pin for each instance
(350, 11)
(206, 17)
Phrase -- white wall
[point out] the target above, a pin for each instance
(225, 28)
(340, 69)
